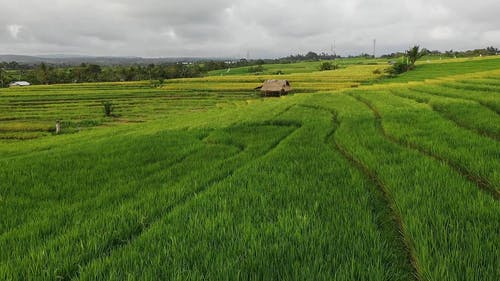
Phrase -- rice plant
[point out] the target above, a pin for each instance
(201, 179)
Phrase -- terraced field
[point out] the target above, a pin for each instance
(31, 113)
(390, 181)
(295, 68)
(27, 113)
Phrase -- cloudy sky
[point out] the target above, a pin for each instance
(274, 28)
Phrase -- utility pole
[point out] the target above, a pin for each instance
(374, 47)
(334, 51)
(407, 55)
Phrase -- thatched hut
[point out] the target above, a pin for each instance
(275, 88)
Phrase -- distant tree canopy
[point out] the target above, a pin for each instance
(13, 65)
(50, 74)
(489, 51)
(310, 56)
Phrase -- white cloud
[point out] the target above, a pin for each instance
(443, 33)
(171, 34)
(14, 30)
(491, 37)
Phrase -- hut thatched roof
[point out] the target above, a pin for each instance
(276, 86)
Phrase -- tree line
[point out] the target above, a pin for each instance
(50, 74)
(56, 74)
(489, 51)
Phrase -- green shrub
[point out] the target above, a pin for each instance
(255, 69)
(400, 67)
(108, 108)
(157, 83)
(328, 66)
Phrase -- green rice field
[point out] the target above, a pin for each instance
(353, 176)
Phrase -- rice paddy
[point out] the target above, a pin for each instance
(352, 177)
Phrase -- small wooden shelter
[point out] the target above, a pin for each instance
(275, 88)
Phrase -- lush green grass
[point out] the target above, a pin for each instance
(425, 129)
(299, 67)
(442, 212)
(202, 179)
(487, 99)
(465, 113)
(271, 216)
(436, 69)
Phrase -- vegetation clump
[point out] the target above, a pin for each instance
(408, 61)
(256, 69)
(108, 108)
(328, 66)
(157, 83)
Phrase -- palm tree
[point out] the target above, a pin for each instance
(414, 54)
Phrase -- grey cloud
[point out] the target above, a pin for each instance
(231, 28)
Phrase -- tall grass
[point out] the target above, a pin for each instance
(465, 113)
(202, 180)
(448, 219)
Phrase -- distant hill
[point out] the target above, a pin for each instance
(79, 59)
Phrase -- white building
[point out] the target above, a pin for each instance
(19, 84)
